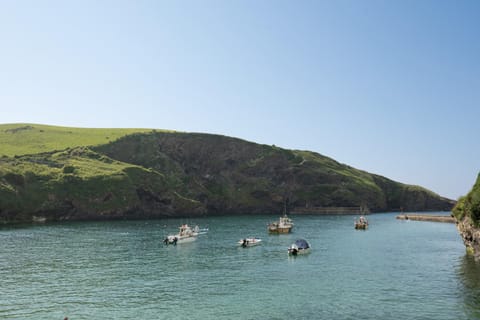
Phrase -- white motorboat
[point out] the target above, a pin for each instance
(300, 246)
(249, 242)
(184, 235)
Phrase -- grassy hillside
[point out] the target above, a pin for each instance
(19, 139)
(67, 173)
(78, 183)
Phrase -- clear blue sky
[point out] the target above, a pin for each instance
(390, 87)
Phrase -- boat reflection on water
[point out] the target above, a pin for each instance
(469, 277)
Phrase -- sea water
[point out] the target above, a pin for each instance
(122, 270)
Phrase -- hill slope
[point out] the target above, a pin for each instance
(148, 173)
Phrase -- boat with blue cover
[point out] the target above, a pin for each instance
(300, 246)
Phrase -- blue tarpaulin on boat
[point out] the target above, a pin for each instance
(302, 244)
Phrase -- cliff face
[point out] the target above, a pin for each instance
(467, 213)
(162, 174)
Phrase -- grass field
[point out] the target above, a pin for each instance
(23, 138)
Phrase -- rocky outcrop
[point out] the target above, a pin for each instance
(470, 236)
(467, 213)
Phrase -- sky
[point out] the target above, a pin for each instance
(389, 87)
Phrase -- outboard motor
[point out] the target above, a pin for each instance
(293, 250)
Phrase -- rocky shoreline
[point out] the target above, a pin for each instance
(467, 215)
(470, 236)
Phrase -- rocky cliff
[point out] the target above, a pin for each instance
(467, 213)
(159, 174)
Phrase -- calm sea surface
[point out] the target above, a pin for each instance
(122, 270)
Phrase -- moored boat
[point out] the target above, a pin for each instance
(283, 225)
(300, 246)
(361, 223)
(249, 242)
(185, 234)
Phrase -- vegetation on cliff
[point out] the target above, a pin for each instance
(467, 213)
(65, 173)
(469, 206)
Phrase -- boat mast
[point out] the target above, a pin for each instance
(285, 207)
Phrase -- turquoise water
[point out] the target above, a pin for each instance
(122, 270)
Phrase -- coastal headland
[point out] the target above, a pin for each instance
(50, 173)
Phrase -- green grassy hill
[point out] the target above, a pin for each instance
(65, 173)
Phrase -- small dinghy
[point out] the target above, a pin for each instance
(249, 242)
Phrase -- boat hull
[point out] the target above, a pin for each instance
(178, 239)
(280, 230)
(361, 226)
(294, 252)
(187, 239)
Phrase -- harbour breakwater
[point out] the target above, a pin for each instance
(426, 217)
(330, 210)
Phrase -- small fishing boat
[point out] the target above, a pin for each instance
(249, 242)
(184, 235)
(283, 225)
(300, 246)
(361, 223)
